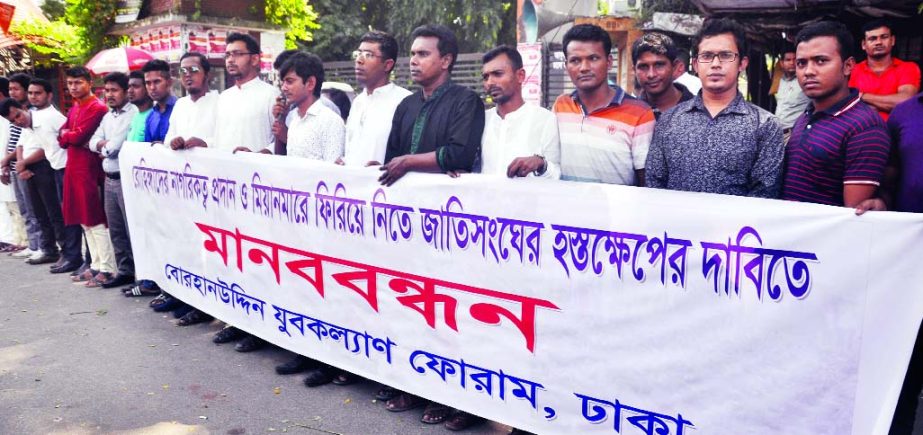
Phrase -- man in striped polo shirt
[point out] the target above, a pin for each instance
(605, 133)
(839, 146)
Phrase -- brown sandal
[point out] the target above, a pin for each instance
(462, 420)
(404, 402)
(436, 413)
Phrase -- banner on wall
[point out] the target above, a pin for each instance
(555, 307)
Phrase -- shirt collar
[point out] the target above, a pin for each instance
(616, 99)
(841, 106)
(171, 100)
(384, 89)
(249, 84)
(119, 110)
(737, 105)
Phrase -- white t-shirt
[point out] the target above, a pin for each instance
(194, 118)
(245, 116)
(369, 124)
(44, 135)
(525, 132)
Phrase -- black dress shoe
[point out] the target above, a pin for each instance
(65, 267)
(297, 364)
(228, 335)
(320, 376)
(249, 344)
(118, 281)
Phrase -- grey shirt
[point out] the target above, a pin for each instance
(738, 152)
(790, 102)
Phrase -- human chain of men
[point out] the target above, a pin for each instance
(829, 142)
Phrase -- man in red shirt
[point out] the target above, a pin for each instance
(84, 172)
(883, 80)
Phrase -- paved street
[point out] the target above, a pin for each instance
(84, 361)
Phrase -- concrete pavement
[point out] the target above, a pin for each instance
(85, 361)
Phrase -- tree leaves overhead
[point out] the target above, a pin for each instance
(297, 16)
(478, 24)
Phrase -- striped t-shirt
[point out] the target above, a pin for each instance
(605, 146)
(15, 132)
(845, 144)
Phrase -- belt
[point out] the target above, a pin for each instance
(113, 175)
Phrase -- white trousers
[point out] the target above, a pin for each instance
(100, 248)
(12, 226)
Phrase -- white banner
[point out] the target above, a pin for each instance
(555, 307)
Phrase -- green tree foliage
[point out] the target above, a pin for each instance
(297, 16)
(92, 18)
(478, 24)
(54, 42)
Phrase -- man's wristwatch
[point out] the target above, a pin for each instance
(541, 171)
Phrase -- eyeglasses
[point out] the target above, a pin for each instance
(230, 54)
(365, 55)
(189, 70)
(723, 57)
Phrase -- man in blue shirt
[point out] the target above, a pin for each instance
(159, 86)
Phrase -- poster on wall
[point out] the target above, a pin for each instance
(271, 44)
(216, 42)
(532, 63)
(196, 40)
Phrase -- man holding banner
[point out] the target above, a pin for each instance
(519, 139)
(437, 129)
(839, 146)
(614, 149)
(717, 142)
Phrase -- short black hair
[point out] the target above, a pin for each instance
(136, 75)
(448, 43)
(829, 28)
(787, 47)
(305, 65)
(588, 33)
(386, 43)
(5, 87)
(203, 61)
(721, 26)
(341, 100)
(8, 104)
(157, 65)
(284, 56)
(76, 72)
(874, 24)
(511, 53)
(252, 46)
(45, 84)
(21, 78)
(118, 78)
(656, 43)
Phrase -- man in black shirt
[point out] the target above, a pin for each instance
(438, 128)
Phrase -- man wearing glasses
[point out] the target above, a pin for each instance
(369, 122)
(194, 116)
(244, 121)
(717, 142)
